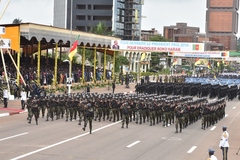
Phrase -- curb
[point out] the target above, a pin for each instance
(12, 113)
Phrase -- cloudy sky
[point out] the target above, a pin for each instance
(158, 13)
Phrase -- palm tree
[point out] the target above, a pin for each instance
(17, 21)
(101, 29)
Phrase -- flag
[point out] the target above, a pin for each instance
(143, 56)
(209, 65)
(196, 47)
(197, 61)
(73, 49)
(175, 62)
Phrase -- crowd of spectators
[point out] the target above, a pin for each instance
(28, 69)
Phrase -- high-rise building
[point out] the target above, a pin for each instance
(222, 22)
(121, 16)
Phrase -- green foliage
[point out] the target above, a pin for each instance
(120, 60)
(17, 21)
(101, 29)
(159, 38)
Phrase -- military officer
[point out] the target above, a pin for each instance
(223, 144)
(211, 154)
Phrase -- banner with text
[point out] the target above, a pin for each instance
(207, 54)
(152, 46)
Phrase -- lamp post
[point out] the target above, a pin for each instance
(69, 77)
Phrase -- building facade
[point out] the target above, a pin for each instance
(222, 22)
(147, 34)
(121, 16)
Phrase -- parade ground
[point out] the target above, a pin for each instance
(60, 140)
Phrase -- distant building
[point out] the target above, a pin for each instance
(183, 33)
(222, 22)
(172, 32)
(147, 34)
(120, 16)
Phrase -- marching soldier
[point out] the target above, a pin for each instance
(179, 118)
(88, 117)
(34, 111)
(125, 110)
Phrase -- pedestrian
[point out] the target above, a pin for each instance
(88, 88)
(23, 95)
(5, 97)
(211, 154)
(224, 145)
(113, 87)
(88, 117)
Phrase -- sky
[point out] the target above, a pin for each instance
(157, 13)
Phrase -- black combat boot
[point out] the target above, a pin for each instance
(83, 128)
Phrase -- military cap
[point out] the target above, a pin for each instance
(224, 128)
(211, 151)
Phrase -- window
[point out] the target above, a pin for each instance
(80, 6)
(89, 17)
(89, 7)
(80, 17)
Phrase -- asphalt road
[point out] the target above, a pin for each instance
(60, 140)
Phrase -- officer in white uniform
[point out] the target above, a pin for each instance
(23, 98)
(211, 154)
(5, 97)
(224, 143)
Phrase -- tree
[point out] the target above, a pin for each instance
(155, 56)
(17, 21)
(159, 38)
(120, 60)
(101, 29)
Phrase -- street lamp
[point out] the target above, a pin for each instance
(69, 77)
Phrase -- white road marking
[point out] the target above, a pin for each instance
(192, 149)
(234, 107)
(213, 128)
(62, 142)
(3, 139)
(134, 143)
(226, 115)
(4, 114)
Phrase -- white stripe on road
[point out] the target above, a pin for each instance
(226, 115)
(213, 128)
(192, 149)
(3, 139)
(234, 107)
(4, 114)
(62, 142)
(134, 143)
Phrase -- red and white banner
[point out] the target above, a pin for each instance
(153, 46)
(207, 54)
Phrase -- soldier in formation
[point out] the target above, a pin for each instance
(152, 109)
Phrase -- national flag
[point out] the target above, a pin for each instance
(197, 47)
(73, 49)
(197, 61)
(209, 65)
(174, 62)
(218, 63)
(143, 56)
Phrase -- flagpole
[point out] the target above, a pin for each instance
(70, 62)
